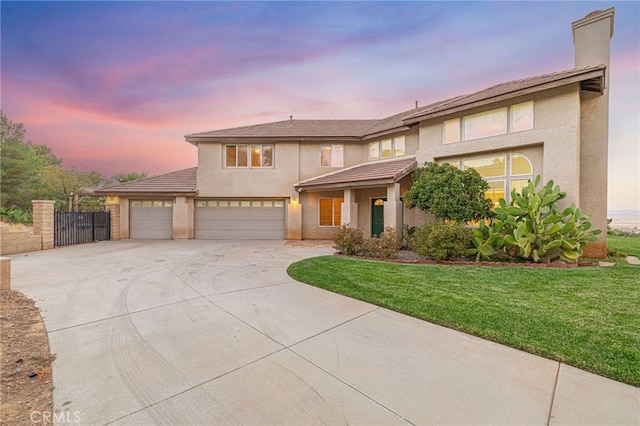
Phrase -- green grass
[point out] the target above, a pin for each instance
(588, 317)
(624, 244)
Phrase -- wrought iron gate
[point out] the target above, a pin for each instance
(81, 227)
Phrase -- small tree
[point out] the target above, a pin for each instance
(449, 193)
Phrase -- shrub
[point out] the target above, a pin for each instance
(448, 193)
(348, 240)
(385, 246)
(441, 240)
(16, 215)
(532, 227)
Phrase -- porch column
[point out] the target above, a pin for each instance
(349, 209)
(393, 209)
(294, 219)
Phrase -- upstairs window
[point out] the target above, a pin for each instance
(387, 148)
(236, 156)
(331, 155)
(516, 118)
(244, 155)
(485, 124)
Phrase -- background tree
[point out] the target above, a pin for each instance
(30, 172)
(19, 165)
(449, 193)
(128, 177)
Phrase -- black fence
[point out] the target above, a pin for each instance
(81, 227)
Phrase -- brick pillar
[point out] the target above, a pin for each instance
(114, 211)
(5, 273)
(43, 222)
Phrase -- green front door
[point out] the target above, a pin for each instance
(377, 216)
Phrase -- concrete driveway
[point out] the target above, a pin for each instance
(210, 332)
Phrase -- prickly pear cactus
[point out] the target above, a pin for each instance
(533, 228)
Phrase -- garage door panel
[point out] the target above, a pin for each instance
(257, 220)
(151, 219)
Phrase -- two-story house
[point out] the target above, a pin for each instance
(302, 179)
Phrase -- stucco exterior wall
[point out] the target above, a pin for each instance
(354, 153)
(183, 218)
(553, 145)
(311, 228)
(215, 180)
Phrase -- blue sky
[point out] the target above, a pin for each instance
(115, 86)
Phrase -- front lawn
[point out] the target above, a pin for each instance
(625, 244)
(588, 317)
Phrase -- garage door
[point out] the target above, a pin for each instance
(239, 219)
(151, 219)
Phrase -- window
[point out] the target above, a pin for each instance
(238, 155)
(497, 173)
(261, 155)
(374, 150)
(387, 148)
(398, 146)
(489, 123)
(452, 130)
(520, 165)
(330, 211)
(331, 155)
(485, 124)
(487, 167)
(522, 116)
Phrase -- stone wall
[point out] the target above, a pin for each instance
(18, 240)
(15, 240)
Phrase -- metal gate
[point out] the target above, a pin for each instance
(81, 227)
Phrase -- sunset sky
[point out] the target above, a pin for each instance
(115, 86)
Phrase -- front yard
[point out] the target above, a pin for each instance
(587, 317)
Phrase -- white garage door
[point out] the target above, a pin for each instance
(239, 219)
(151, 219)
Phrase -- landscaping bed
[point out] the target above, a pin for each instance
(26, 382)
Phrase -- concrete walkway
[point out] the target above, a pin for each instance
(204, 332)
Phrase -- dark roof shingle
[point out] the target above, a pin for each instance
(180, 182)
(591, 78)
(371, 173)
(292, 129)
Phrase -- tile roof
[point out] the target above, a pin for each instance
(370, 173)
(591, 78)
(292, 129)
(180, 182)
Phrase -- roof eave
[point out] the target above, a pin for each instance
(235, 139)
(342, 185)
(595, 79)
(385, 132)
(147, 193)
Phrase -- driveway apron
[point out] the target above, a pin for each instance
(215, 332)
